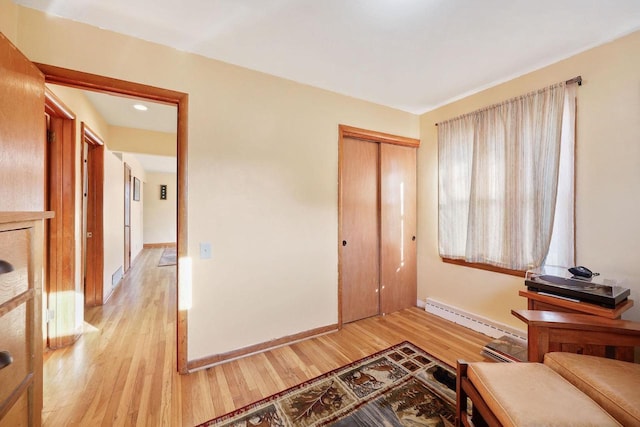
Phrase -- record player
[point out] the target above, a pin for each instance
(559, 282)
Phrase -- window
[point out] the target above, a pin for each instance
(506, 182)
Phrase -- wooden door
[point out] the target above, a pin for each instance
(398, 272)
(94, 237)
(359, 232)
(127, 217)
(22, 168)
(22, 132)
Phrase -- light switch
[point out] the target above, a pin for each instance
(205, 250)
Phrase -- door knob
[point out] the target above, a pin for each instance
(344, 243)
(5, 267)
(5, 359)
(413, 238)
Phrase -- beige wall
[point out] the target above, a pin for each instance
(9, 20)
(263, 171)
(608, 178)
(142, 141)
(160, 216)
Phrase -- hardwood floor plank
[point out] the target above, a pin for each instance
(122, 371)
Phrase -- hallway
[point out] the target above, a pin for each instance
(123, 369)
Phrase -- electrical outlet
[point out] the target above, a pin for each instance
(205, 250)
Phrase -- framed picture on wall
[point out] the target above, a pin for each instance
(136, 189)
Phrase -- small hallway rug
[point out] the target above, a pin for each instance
(400, 386)
(168, 257)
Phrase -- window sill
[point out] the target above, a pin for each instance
(486, 267)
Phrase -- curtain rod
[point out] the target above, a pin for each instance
(574, 80)
(577, 79)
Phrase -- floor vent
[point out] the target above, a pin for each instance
(116, 277)
(472, 321)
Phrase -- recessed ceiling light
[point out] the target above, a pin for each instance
(140, 107)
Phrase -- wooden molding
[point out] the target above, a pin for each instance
(208, 361)
(159, 245)
(64, 76)
(55, 107)
(60, 231)
(486, 267)
(370, 135)
(90, 135)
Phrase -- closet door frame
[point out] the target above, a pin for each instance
(345, 131)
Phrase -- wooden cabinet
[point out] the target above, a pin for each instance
(377, 224)
(21, 254)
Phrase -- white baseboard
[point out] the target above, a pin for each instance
(472, 321)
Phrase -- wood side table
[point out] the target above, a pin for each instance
(537, 301)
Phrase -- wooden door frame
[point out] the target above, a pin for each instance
(94, 82)
(127, 214)
(94, 216)
(345, 131)
(60, 234)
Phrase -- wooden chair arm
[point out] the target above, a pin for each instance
(578, 333)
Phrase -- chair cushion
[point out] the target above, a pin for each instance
(613, 384)
(532, 394)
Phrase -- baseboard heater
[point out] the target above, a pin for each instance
(472, 321)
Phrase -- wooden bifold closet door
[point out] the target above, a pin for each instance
(377, 227)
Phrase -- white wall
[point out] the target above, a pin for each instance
(160, 216)
(137, 207)
(113, 218)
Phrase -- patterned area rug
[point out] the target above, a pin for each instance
(169, 256)
(400, 386)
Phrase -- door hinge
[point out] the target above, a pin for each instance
(50, 314)
(51, 136)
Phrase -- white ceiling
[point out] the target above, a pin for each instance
(153, 163)
(413, 55)
(119, 111)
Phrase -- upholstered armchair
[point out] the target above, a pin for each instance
(573, 377)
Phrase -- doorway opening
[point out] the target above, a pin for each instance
(86, 81)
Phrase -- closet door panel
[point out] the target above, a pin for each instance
(359, 243)
(398, 272)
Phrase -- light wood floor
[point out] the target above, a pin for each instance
(123, 370)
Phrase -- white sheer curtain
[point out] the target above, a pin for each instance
(498, 181)
(562, 248)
